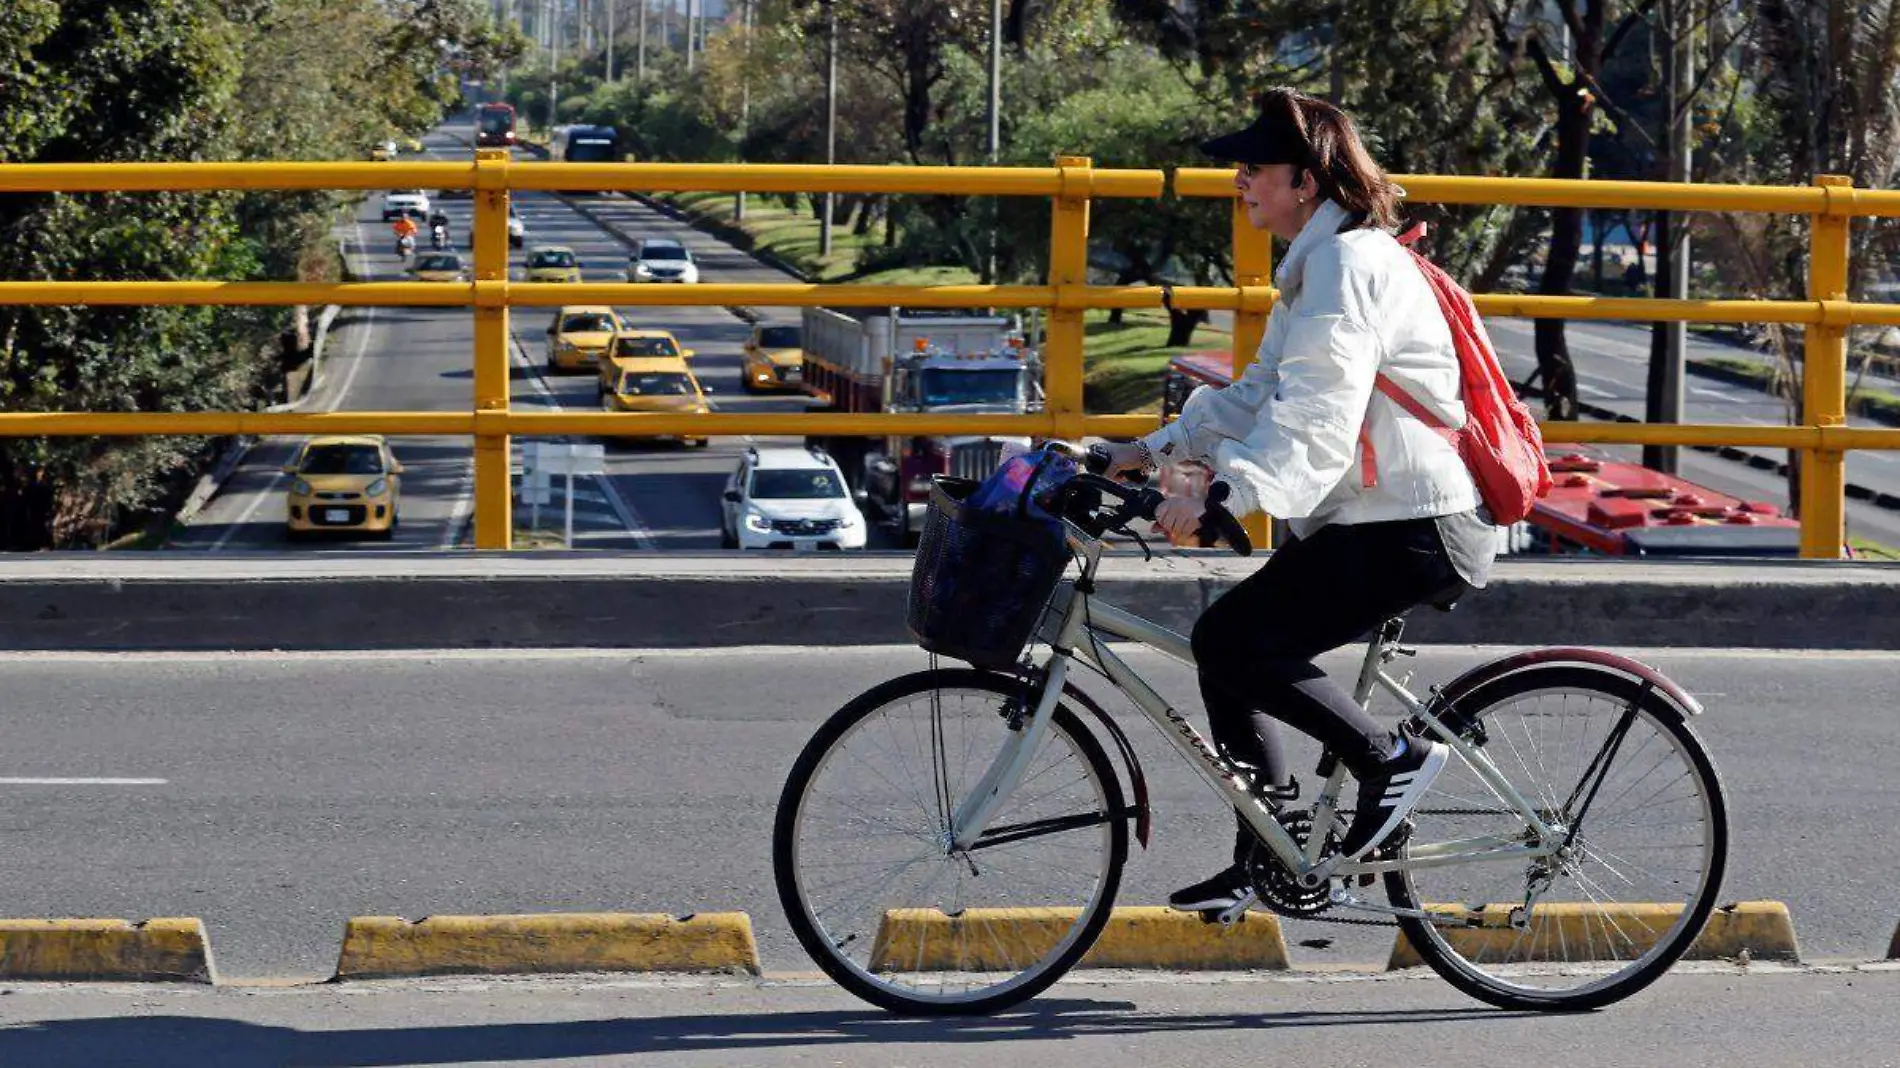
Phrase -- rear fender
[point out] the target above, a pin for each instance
(1575, 656)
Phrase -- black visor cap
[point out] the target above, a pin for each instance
(1271, 139)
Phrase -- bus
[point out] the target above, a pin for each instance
(1597, 504)
(494, 126)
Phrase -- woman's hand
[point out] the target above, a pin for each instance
(1180, 517)
(1124, 456)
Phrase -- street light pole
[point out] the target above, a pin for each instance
(640, 50)
(831, 118)
(611, 4)
(745, 95)
(996, 130)
(692, 16)
(554, 60)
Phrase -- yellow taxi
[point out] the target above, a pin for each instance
(653, 384)
(640, 344)
(579, 335)
(345, 484)
(553, 263)
(412, 143)
(774, 358)
(439, 267)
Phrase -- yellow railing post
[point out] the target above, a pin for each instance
(1253, 267)
(1824, 377)
(1068, 270)
(494, 523)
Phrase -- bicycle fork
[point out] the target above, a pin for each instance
(974, 813)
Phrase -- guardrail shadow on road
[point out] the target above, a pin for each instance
(196, 1041)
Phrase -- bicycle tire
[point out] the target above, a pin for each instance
(1436, 950)
(827, 948)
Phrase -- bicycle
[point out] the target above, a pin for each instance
(952, 840)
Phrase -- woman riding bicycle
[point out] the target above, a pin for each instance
(1383, 513)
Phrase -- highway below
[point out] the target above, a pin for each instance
(277, 794)
(654, 495)
(661, 496)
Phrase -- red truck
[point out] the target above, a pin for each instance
(897, 360)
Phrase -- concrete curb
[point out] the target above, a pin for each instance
(1137, 937)
(472, 600)
(170, 950)
(1761, 929)
(386, 947)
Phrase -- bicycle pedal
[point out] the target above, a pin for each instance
(1213, 916)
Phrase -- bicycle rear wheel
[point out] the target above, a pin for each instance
(861, 855)
(1598, 752)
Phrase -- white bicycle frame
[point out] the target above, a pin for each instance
(1075, 625)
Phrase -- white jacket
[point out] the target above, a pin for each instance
(1285, 437)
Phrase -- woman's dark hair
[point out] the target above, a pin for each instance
(1332, 150)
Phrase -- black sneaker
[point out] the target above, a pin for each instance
(1387, 798)
(1223, 891)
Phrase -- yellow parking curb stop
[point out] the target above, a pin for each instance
(384, 947)
(168, 950)
(1140, 937)
(1762, 929)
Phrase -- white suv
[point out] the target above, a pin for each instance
(661, 259)
(789, 498)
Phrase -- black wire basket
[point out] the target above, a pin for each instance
(982, 579)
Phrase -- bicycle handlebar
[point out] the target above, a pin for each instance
(1139, 502)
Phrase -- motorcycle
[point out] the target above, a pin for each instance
(405, 246)
(438, 236)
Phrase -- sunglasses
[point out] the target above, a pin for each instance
(1248, 170)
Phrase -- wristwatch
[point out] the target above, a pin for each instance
(1148, 465)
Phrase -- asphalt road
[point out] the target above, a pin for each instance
(1759, 1019)
(652, 496)
(299, 790)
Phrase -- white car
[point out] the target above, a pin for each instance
(517, 229)
(400, 202)
(662, 260)
(789, 498)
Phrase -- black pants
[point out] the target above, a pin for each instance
(1255, 645)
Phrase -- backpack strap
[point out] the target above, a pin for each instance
(1368, 456)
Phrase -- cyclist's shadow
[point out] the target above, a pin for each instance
(211, 1042)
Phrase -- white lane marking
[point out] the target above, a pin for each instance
(80, 782)
(623, 509)
(349, 378)
(1589, 390)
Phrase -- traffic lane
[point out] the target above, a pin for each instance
(1697, 1015)
(305, 788)
(674, 491)
(1612, 371)
(378, 359)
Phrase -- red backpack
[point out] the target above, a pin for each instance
(1500, 442)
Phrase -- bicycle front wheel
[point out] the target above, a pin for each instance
(1599, 753)
(861, 847)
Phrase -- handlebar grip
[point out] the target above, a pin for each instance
(1097, 463)
(1218, 524)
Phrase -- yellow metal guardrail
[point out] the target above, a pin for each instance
(1071, 184)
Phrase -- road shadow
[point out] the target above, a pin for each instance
(207, 1042)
